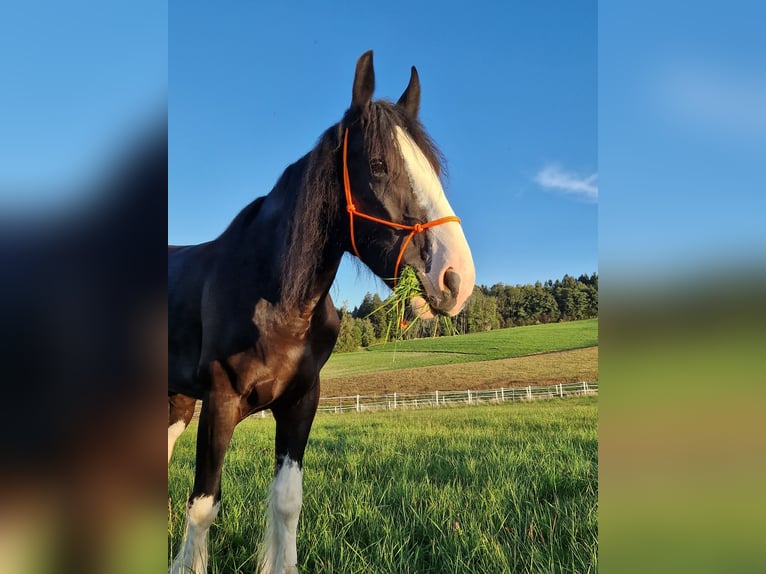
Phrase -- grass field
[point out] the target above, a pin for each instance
(492, 345)
(491, 489)
(540, 354)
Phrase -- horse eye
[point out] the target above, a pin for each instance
(378, 167)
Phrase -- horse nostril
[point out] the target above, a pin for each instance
(452, 281)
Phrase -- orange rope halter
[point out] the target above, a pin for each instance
(352, 211)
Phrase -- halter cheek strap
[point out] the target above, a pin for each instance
(352, 211)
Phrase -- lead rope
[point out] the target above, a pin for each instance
(352, 211)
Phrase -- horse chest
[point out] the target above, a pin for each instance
(286, 361)
(271, 367)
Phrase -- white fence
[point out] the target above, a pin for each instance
(360, 403)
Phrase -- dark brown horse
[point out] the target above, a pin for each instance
(251, 322)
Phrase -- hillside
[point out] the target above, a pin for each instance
(519, 356)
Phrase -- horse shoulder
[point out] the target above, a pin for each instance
(325, 327)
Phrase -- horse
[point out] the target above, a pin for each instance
(250, 318)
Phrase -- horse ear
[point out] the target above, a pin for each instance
(410, 99)
(364, 81)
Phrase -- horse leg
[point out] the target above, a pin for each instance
(220, 414)
(279, 553)
(180, 412)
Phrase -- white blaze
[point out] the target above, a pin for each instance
(279, 554)
(450, 248)
(192, 556)
(425, 183)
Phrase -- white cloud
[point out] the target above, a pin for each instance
(555, 178)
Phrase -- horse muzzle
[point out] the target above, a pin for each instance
(448, 299)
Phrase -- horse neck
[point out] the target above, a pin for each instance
(302, 265)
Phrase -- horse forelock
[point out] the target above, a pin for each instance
(380, 121)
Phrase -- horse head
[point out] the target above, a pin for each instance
(397, 210)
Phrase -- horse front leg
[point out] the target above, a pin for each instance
(279, 552)
(180, 413)
(220, 414)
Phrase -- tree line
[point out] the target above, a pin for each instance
(495, 307)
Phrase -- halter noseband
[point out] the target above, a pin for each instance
(352, 211)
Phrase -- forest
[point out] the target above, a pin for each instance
(495, 307)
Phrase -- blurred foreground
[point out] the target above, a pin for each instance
(83, 346)
(83, 219)
(682, 262)
(682, 452)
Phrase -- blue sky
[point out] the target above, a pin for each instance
(682, 134)
(78, 79)
(509, 94)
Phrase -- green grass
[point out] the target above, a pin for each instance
(491, 489)
(497, 344)
(395, 308)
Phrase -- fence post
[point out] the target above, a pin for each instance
(469, 396)
(561, 390)
(529, 392)
(585, 387)
(502, 394)
(394, 400)
(357, 403)
(437, 397)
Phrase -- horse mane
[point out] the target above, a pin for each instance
(316, 207)
(320, 196)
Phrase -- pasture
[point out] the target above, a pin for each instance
(488, 346)
(491, 489)
(538, 354)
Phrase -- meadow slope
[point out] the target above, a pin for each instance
(541, 369)
(520, 356)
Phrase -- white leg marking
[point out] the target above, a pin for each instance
(279, 554)
(174, 431)
(192, 556)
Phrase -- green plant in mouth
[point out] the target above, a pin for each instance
(396, 308)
